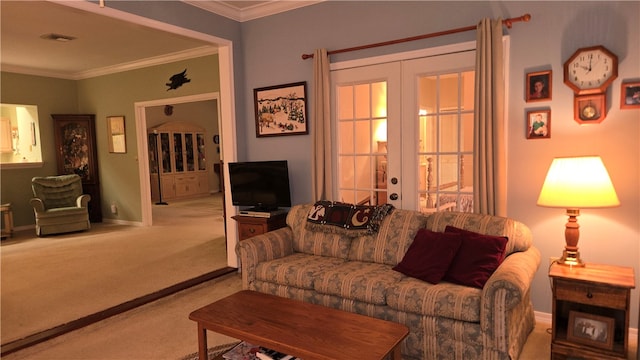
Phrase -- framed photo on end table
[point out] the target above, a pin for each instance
(592, 330)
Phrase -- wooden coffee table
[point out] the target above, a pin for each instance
(297, 328)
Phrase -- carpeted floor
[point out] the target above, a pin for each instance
(212, 352)
(53, 280)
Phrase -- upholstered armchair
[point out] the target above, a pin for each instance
(59, 204)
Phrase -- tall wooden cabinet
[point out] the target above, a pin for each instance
(179, 148)
(76, 153)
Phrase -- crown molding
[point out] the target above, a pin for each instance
(138, 64)
(251, 12)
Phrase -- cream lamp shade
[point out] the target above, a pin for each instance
(574, 183)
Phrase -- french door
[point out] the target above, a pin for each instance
(404, 132)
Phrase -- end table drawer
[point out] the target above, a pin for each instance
(246, 231)
(592, 294)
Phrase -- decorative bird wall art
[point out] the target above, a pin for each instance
(177, 80)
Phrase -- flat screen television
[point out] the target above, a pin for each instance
(260, 185)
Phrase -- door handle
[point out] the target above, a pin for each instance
(393, 196)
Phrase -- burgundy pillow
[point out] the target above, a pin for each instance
(478, 257)
(429, 255)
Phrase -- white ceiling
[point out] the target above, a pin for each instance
(103, 44)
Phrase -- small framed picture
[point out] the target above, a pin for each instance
(538, 86)
(281, 110)
(116, 134)
(589, 109)
(630, 95)
(539, 124)
(592, 330)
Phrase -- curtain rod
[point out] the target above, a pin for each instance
(507, 22)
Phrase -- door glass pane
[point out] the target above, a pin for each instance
(201, 159)
(362, 140)
(448, 133)
(445, 126)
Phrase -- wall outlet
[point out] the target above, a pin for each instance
(114, 208)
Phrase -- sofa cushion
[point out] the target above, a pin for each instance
(392, 241)
(355, 280)
(478, 257)
(430, 255)
(315, 242)
(442, 300)
(520, 237)
(297, 270)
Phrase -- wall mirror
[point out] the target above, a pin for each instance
(117, 137)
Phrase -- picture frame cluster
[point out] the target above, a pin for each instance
(538, 88)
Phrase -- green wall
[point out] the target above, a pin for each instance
(107, 95)
(52, 96)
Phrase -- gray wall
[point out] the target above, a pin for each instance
(272, 47)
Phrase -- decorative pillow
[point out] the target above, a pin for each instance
(478, 257)
(357, 219)
(430, 255)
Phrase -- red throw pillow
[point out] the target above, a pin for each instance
(429, 255)
(478, 257)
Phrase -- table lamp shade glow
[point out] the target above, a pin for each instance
(574, 183)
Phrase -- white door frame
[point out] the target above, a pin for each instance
(226, 110)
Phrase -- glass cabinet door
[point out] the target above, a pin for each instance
(178, 154)
(166, 153)
(201, 159)
(188, 146)
(153, 153)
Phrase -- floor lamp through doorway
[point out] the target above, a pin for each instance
(155, 138)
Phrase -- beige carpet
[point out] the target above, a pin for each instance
(162, 330)
(53, 280)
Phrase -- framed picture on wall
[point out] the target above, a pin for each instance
(539, 124)
(538, 86)
(281, 110)
(116, 135)
(630, 95)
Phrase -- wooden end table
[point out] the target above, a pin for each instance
(596, 295)
(297, 328)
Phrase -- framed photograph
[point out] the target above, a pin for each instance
(116, 134)
(592, 330)
(281, 110)
(539, 124)
(630, 95)
(538, 86)
(589, 109)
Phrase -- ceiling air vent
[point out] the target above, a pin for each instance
(57, 37)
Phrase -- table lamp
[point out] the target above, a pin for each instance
(574, 183)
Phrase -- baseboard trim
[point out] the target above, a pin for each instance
(49, 334)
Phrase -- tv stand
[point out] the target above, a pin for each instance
(249, 226)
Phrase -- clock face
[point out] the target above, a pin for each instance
(590, 70)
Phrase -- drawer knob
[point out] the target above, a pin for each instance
(589, 295)
(254, 230)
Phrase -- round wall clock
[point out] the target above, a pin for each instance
(591, 70)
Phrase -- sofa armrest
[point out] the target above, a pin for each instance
(38, 204)
(83, 200)
(507, 288)
(268, 246)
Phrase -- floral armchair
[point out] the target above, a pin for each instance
(59, 204)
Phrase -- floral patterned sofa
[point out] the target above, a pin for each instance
(356, 273)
